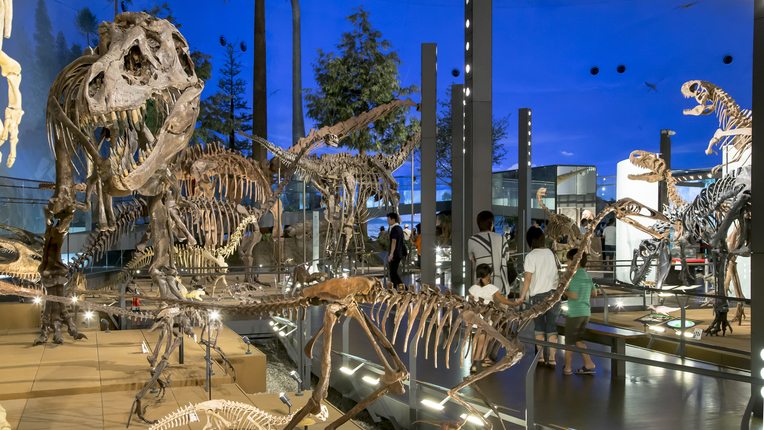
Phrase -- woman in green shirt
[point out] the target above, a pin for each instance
(580, 291)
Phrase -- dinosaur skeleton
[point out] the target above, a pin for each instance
(11, 70)
(226, 414)
(20, 256)
(559, 225)
(346, 182)
(142, 65)
(735, 124)
(657, 172)
(343, 297)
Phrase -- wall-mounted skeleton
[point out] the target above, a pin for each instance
(11, 70)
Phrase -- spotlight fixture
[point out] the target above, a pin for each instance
(246, 341)
(214, 315)
(37, 300)
(621, 68)
(89, 314)
(103, 320)
(74, 299)
(123, 4)
(285, 400)
(594, 70)
(243, 46)
(222, 40)
(657, 328)
(727, 59)
(294, 375)
(455, 72)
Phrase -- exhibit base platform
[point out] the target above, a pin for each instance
(732, 350)
(113, 362)
(110, 410)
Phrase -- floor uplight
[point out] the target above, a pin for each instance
(437, 406)
(349, 371)
(656, 328)
(473, 419)
(371, 381)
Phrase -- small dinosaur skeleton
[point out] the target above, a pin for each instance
(559, 225)
(735, 124)
(226, 414)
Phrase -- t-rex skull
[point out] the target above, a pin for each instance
(144, 68)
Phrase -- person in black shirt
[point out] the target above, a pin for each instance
(397, 247)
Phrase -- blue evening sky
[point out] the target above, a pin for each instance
(543, 50)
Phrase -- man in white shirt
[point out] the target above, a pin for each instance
(608, 248)
(406, 232)
(490, 248)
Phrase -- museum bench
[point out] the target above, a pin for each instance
(614, 337)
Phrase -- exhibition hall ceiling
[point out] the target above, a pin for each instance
(543, 54)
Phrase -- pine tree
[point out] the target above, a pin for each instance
(45, 54)
(226, 111)
(86, 23)
(62, 51)
(75, 52)
(360, 77)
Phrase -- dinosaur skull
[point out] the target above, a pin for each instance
(17, 259)
(700, 91)
(626, 208)
(144, 68)
(651, 162)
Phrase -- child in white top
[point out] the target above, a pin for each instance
(488, 292)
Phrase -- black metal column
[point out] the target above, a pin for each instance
(524, 169)
(666, 156)
(457, 188)
(757, 208)
(478, 87)
(429, 137)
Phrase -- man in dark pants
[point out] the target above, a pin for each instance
(397, 247)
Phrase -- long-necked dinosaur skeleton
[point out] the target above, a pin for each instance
(346, 182)
(11, 70)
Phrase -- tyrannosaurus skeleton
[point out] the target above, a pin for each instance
(142, 66)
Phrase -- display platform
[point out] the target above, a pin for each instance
(704, 349)
(111, 362)
(109, 411)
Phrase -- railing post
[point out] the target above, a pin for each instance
(530, 380)
(607, 305)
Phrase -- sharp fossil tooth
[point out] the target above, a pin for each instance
(125, 172)
(113, 116)
(103, 119)
(133, 165)
(134, 114)
(123, 115)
